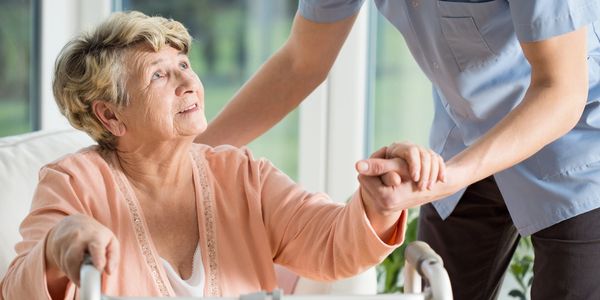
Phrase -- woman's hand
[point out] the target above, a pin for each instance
(70, 239)
(387, 186)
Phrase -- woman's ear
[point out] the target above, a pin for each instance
(106, 113)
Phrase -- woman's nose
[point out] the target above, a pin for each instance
(186, 83)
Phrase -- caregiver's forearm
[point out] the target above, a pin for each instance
(552, 106)
(275, 91)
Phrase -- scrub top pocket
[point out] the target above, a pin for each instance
(473, 33)
(465, 41)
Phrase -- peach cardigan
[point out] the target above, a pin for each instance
(250, 215)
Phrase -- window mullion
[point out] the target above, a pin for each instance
(346, 120)
(60, 21)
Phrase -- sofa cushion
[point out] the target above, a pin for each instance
(21, 158)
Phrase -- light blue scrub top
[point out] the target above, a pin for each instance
(470, 51)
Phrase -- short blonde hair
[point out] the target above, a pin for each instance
(90, 67)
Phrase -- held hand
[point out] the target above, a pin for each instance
(382, 181)
(392, 171)
(75, 235)
(386, 188)
(382, 191)
(418, 164)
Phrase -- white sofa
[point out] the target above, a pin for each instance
(22, 156)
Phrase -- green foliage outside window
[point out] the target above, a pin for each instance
(521, 268)
(16, 35)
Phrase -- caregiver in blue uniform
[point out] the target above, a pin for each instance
(516, 86)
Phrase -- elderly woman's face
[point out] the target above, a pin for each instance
(167, 97)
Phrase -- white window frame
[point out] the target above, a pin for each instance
(60, 21)
(333, 119)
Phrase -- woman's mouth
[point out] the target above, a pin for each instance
(189, 109)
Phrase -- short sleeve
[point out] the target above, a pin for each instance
(536, 20)
(328, 11)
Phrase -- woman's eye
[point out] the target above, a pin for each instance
(156, 75)
(184, 65)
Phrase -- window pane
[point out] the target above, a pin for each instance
(16, 37)
(403, 106)
(232, 38)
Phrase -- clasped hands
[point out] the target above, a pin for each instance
(397, 177)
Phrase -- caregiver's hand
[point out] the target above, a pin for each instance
(71, 238)
(419, 164)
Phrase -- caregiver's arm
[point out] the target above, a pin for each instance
(552, 106)
(281, 83)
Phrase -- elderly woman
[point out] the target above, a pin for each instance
(162, 216)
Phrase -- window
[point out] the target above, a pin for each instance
(401, 104)
(17, 67)
(232, 38)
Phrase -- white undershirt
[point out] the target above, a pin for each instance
(191, 287)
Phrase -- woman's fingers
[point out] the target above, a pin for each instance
(97, 250)
(113, 255)
(380, 198)
(71, 262)
(391, 179)
(381, 166)
(104, 250)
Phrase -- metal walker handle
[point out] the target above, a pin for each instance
(422, 261)
(90, 279)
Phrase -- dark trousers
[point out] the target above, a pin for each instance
(478, 239)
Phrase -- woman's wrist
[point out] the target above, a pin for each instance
(56, 279)
(52, 269)
(383, 223)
